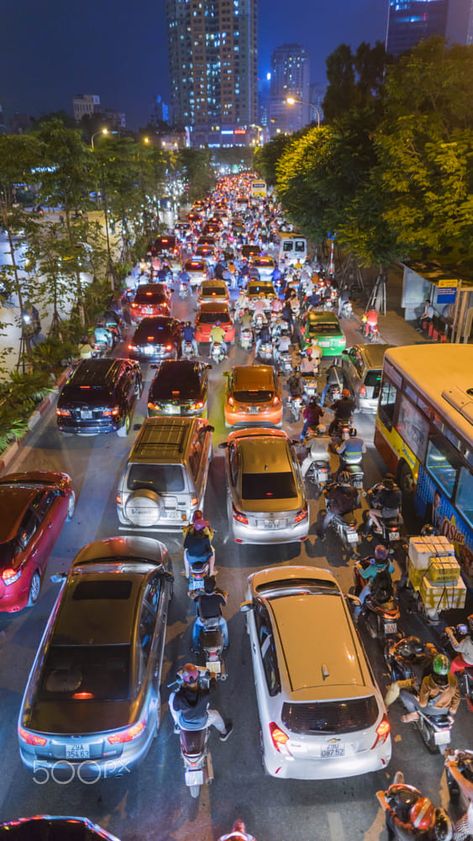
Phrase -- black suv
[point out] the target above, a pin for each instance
(158, 337)
(99, 397)
(179, 388)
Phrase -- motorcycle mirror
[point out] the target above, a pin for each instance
(58, 578)
(246, 606)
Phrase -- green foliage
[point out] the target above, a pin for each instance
(266, 157)
(195, 166)
(355, 80)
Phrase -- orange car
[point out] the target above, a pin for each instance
(208, 316)
(253, 396)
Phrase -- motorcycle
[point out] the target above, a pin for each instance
(318, 474)
(265, 352)
(347, 310)
(198, 768)
(284, 362)
(382, 618)
(309, 385)
(246, 339)
(295, 404)
(183, 291)
(198, 570)
(341, 431)
(218, 352)
(386, 530)
(462, 758)
(345, 527)
(211, 646)
(187, 350)
(355, 471)
(465, 675)
(334, 392)
(403, 807)
(259, 321)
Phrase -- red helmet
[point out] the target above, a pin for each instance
(346, 392)
(422, 814)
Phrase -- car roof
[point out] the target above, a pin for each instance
(323, 317)
(214, 306)
(212, 283)
(264, 455)
(161, 438)
(92, 372)
(14, 500)
(155, 323)
(145, 288)
(195, 264)
(253, 377)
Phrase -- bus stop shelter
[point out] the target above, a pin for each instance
(451, 296)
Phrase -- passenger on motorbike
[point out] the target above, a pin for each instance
(342, 498)
(217, 336)
(197, 543)
(386, 501)
(334, 377)
(343, 410)
(103, 336)
(464, 648)
(377, 564)
(209, 606)
(276, 306)
(308, 367)
(294, 383)
(238, 833)
(188, 334)
(86, 348)
(318, 449)
(410, 815)
(190, 705)
(351, 451)
(184, 277)
(264, 337)
(282, 345)
(246, 320)
(313, 413)
(439, 693)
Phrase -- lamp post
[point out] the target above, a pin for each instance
(292, 100)
(103, 131)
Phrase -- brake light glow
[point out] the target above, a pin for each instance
(198, 405)
(150, 338)
(83, 696)
(127, 735)
(276, 401)
(362, 391)
(9, 575)
(63, 413)
(153, 406)
(134, 305)
(278, 737)
(231, 401)
(131, 347)
(31, 738)
(85, 387)
(168, 347)
(239, 517)
(109, 413)
(301, 515)
(382, 732)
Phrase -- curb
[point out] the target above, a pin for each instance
(9, 454)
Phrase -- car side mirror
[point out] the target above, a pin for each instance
(246, 606)
(58, 578)
(349, 597)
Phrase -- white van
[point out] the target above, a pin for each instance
(292, 247)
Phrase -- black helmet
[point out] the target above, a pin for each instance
(353, 431)
(410, 647)
(389, 483)
(209, 583)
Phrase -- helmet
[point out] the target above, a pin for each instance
(422, 814)
(353, 431)
(388, 483)
(440, 665)
(345, 392)
(190, 673)
(321, 429)
(198, 521)
(344, 476)
(410, 648)
(239, 826)
(428, 530)
(209, 583)
(380, 552)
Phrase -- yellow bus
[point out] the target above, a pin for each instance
(258, 190)
(424, 432)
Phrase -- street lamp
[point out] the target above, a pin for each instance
(292, 100)
(103, 131)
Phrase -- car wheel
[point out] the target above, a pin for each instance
(71, 505)
(35, 588)
(124, 429)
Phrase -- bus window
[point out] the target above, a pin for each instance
(387, 402)
(465, 495)
(287, 246)
(300, 246)
(442, 464)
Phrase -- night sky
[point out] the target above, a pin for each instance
(52, 49)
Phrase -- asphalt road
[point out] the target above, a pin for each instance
(152, 802)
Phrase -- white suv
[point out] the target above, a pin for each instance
(321, 712)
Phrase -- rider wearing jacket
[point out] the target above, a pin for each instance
(197, 543)
(217, 336)
(439, 693)
(318, 450)
(379, 563)
(343, 410)
(190, 705)
(209, 606)
(386, 499)
(464, 648)
(351, 451)
(342, 498)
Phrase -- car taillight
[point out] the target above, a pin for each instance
(382, 732)
(239, 517)
(276, 401)
(195, 500)
(131, 347)
(278, 737)
(118, 499)
(127, 735)
(63, 413)
(168, 347)
(301, 515)
(109, 413)
(153, 406)
(134, 305)
(9, 575)
(198, 405)
(231, 401)
(362, 391)
(31, 738)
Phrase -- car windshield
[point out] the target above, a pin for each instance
(212, 317)
(162, 478)
(316, 584)
(325, 328)
(214, 290)
(86, 672)
(268, 486)
(150, 296)
(170, 384)
(258, 396)
(332, 717)
(260, 289)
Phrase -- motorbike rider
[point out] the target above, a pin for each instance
(264, 337)
(464, 647)
(410, 815)
(342, 498)
(197, 543)
(439, 693)
(460, 768)
(333, 377)
(343, 299)
(308, 368)
(238, 833)
(351, 451)
(312, 415)
(188, 335)
(86, 348)
(282, 345)
(209, 606)
(294, 383)
(370, 321)
(343, 410)
(316, 354)
(318, 449)
(190, 704)
(103, 336)
(184, 277)
(276, 306)
(217, 335)
(386, 501)
(377, 565)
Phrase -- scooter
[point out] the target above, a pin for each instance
(198, 768)
(295, 404)
(284, 362)
(218, 352)
(382, 618)
(309, 385)
(347, 310)
(355, 470)
(246, 339)
(187, 350)
(198, 570)
(345, 527)
(387, 530)
(341, 431)
(465, 676)
(265, 352)
(183, 291)
(462, 759)
(398, 801)
(211, 646)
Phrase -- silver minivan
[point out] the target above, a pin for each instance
(91, 707)
(165, 477)
(362, 367)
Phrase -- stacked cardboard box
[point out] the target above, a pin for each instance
(442, 596)
(434, 573)
(443, 570)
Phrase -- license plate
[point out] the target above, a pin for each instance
(352, 537)
(77, 751)
(148, 349)
(323, 344)
(332, 750)
(271, 524)
(196, 584)
(86, 414)
(394, 535)
(194, 778)
(173, 410)
(214, 666)
(253, 410)
(442, 737)
(390, 627)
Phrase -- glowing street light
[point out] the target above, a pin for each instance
(291, 100)
(103, 132)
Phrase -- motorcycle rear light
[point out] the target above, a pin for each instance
(134, 305)
(31, 738)
(362, 391)
(301, 515)
(168, 347)
(63, 413)
(239, 517)
(278, 737)
(9, 575)
(382, 732)
(127, 735)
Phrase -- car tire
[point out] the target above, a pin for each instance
(124, 429)
(35, 588)
(71, 506)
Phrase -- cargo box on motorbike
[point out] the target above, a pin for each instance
(415, 575)
(443, 570)
(442, 596)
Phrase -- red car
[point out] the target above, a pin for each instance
(150, 299)
(33, 508)
(208, 315)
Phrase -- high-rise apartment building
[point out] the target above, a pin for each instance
(213, 63)
(460, 22)
(290, 79)
(411, 21)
